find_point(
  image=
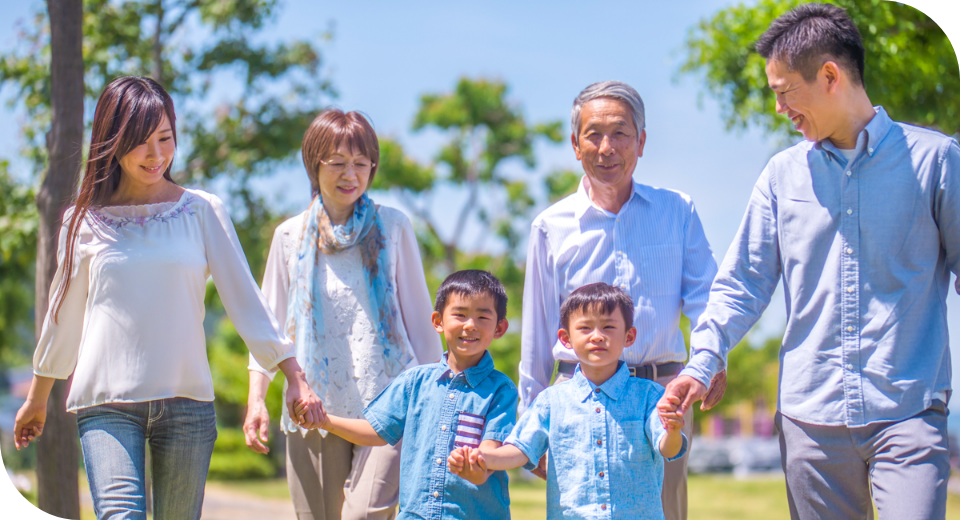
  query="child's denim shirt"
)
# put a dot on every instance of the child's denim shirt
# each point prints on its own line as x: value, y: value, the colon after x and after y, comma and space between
x: 430, y: 408
x: 605, y: 460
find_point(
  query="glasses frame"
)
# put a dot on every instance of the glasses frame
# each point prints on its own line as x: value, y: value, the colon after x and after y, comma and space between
x: 348, y: 165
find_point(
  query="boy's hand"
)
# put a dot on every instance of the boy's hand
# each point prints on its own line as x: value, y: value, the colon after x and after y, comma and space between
x: 303, y: 408
x: 456, y: 461
x: 474, y: 467
x: 671, y: 415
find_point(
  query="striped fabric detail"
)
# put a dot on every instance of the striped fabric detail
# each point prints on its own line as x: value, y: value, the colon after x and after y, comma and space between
x: 469, y: 430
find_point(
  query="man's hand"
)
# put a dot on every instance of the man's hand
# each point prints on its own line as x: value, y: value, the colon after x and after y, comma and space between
x: 687, y: 389
x: 29, y: 422
x: 541, y: 469
x: 256, y: 426
x: 718, y: 385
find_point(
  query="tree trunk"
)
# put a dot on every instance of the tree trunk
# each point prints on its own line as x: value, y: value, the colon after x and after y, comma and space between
x: 57, y: 453
x: 158, y: 46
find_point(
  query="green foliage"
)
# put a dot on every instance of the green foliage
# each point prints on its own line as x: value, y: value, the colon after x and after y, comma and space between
x: 483, y: 129
x: 753, y: 373
x: 18, y: 259
x: 561, y: 183
x: 232, y: 460
x: 910, y: 63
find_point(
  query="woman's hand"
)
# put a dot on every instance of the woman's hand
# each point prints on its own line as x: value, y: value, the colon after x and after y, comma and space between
x: 33, y: 414
x: 256, y: 427
x: 307, y: 409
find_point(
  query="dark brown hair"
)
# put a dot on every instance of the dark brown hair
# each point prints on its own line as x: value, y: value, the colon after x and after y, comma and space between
x: 473, y: 282
x: 129, y: 110
x: 331, y: 129
x: 807, y: 37
x: 597, y: 297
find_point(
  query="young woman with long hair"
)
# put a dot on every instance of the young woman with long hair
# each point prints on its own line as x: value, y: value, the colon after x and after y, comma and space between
x: 126, y: 315
x: 346, y: 278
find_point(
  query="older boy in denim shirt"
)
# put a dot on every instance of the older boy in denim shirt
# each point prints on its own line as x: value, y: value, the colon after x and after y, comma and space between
x: 459, y: 402
x: 607, y: 439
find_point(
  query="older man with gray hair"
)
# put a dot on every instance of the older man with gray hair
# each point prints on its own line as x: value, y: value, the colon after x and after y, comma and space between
x: 647, y: 241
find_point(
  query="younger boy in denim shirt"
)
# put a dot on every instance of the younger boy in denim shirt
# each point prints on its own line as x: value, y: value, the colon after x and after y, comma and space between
x: 459, y: 402
x: 606, y: 437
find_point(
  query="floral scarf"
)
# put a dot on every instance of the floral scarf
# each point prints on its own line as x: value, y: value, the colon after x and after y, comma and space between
x: 305, y: 323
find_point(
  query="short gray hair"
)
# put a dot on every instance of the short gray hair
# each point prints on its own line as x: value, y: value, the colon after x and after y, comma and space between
x: 608, y: 89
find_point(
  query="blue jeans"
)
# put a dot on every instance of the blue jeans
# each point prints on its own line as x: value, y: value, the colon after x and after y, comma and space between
x: 114, y: 437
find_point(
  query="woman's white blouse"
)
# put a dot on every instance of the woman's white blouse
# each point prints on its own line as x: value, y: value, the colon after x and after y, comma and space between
x: 131, y: 325
x: 353, y: 350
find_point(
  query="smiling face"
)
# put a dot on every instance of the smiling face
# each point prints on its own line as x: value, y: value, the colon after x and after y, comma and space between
x: 468, y: 324
x: 146, y: 163
x: 608, y: 144
x: 343, y: 178
x: 598, y: 339
x: 807, y: 104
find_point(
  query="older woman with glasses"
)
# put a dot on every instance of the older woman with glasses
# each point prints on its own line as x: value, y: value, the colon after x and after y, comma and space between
x: 346, y: 279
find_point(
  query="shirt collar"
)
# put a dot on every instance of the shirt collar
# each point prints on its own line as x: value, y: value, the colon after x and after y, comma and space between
x: 613, y: 387
x: 583, y: 203
x: 873, y: 133
x: 474, y: 375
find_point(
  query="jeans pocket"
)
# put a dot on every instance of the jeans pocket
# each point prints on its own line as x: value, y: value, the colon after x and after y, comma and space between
x: 632, y: 445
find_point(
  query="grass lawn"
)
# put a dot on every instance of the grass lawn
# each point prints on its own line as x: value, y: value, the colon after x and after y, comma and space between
x: 713, y: 497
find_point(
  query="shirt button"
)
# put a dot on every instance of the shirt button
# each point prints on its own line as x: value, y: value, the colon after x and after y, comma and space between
x: 601, y: 474
x: 436, y: 494
x: 850, y: 289
x: 596, y: 390
x: 452, y: 396
x: 849, y: 328
x: 849, y: 173
x: 603, y: 506
x: 439, y: 462
x: 849, y: 367
x: 599, y: 442
x: 443, y: 427
x: 849, y: 251
x: 624, y: 287
x: 869, y: 150
x: 598, y: 409
x: 849, y: 211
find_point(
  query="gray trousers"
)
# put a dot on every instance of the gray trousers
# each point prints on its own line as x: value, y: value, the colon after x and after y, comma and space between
x: 831, y: 470
x: 333, y: 479
x: 674, y: 492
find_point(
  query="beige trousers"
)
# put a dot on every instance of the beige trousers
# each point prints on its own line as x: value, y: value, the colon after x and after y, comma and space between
x: 674, y: 493
x: 332, y: 479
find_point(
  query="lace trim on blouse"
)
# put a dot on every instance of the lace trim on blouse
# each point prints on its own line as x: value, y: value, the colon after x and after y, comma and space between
x: 122, y: 216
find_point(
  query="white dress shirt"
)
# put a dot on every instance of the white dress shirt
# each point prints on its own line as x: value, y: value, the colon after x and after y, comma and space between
x: 131, y: 325
x: 354, y: 355
x: 654, y: 249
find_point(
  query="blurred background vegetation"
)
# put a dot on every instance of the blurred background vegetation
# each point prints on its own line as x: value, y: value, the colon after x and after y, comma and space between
x: 232, y: 134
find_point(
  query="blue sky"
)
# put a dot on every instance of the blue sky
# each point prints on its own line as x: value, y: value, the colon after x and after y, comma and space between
x: 384, y: 55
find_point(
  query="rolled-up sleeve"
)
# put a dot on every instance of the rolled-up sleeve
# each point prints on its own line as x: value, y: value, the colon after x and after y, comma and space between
x: 242, y: 299
x: 541, y: 306
x: 59, y: 344
x: 743, y: 288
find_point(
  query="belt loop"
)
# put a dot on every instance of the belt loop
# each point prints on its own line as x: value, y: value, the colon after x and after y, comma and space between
x: 654, y: 365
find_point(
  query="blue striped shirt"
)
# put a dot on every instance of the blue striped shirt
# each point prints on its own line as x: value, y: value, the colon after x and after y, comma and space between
x: 865, y: 248
x: 654, y: 249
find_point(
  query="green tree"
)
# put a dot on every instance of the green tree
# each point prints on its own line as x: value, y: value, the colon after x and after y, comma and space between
x: 910, y: 69
x: 483, y: 130
x: 18, y: 257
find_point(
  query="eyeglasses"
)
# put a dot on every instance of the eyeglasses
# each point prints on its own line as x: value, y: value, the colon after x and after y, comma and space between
x: 339, y: 166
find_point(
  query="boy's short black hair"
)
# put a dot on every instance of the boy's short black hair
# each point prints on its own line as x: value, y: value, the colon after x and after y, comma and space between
x: 597, y: 296
x: 807, y: 37
x: 473, y: 282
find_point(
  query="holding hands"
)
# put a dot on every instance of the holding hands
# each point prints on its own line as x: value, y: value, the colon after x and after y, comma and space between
x: 469, y: 464
x: 670, y: 413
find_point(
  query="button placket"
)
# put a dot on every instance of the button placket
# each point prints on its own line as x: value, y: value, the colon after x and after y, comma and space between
x: 849, y: 296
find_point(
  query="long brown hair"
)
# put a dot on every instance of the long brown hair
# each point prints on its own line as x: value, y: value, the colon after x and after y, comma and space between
x: 129, y: 110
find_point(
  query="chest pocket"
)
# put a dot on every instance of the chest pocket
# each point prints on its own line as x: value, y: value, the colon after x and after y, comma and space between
x: 469, y: 430
x: 632, y: 445
x: 660, y: 270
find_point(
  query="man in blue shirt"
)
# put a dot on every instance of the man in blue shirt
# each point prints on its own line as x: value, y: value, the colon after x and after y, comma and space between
x: 435, y: 408
x: 607, y: 439
x: 862, y: 219
x: 648, y: 241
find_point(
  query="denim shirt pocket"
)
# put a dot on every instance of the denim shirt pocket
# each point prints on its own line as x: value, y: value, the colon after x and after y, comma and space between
x: 632, y: 444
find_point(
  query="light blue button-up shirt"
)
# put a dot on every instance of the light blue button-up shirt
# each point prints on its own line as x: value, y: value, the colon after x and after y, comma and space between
x: 865, y: 248
x: 654, y: 249
x: 604, y: 441
x: 422, y: 407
